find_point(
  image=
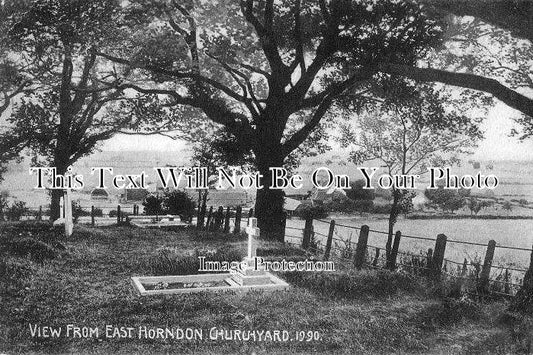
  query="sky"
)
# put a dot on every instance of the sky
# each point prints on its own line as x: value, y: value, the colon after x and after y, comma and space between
x: 497, y: 145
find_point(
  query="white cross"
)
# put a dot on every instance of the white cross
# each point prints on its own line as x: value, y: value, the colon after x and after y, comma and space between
x: 69, y: 225
x: 252, y: 232
x: 61, y: 208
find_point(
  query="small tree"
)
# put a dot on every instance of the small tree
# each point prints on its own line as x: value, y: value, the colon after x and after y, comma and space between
x: 507, y: 206
x: 475, y: 205
x: 3, y: 203
x: 153, y: 205
x: 16, y: 210
x: 448, y: 200
x: 415, y: 126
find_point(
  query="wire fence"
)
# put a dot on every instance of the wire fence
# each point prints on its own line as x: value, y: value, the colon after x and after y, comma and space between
x: 351, y: 244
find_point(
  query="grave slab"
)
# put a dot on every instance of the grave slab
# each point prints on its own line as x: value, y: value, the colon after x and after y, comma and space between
x: 241, y: 280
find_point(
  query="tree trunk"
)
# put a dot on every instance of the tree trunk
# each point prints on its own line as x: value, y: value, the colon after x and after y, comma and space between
x: 63, y: 144
x: 61, y: 165
x: 269, y: 202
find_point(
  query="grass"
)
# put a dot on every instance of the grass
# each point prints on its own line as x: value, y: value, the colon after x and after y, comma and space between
x: 88, y: 284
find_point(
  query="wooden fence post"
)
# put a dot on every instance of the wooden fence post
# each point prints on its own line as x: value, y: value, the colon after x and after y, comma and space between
x: 201, y: 212
x: 92, y: 216
x: 487, y: 264
x: 199, y: 222
x: 391, y: 263
x: 360, y: 250
x: 308, y: 229
x: 284, y: 227
x: 226, y: 220
x: 327, y: 252
x: 465, y: 267
x: 238, y: 216
x: 209, y: 217
x: 507, y: 288
x: 438, y: 254
x: 219, y: 217
x: 118, y: 214
x: 376, y: 258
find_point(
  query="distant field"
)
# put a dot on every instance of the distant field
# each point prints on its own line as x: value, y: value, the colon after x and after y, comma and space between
x: 516, y: 233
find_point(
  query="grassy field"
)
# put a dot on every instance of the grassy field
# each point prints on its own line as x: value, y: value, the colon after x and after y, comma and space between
x: 87, y: 285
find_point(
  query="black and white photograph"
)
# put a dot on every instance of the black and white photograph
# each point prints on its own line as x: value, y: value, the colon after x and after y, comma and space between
x: 266, y: 177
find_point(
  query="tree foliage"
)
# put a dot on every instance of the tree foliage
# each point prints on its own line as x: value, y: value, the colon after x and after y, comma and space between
x: 269, y: 72
x: 358, y: 192
x: 173, y: 202
x: 448, y: 200
x: 63, y: 113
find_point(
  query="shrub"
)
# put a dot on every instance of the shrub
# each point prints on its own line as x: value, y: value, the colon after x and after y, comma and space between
x: 446, y: 199
x: 153, y: 205
x: 507, y: 206
x: 357, y: 191
x: 345, y: 205
x: 314, y: 212
x: 97, y: 212
x: 3, y: 203
x: 177, y: 202
x: 16, y: 210
x: 382, y: 209
x: 77, y: 211
x: 363, y: 205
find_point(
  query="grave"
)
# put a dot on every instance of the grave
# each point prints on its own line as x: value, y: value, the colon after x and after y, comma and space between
x: 156, y: 221
x: 241, y: 280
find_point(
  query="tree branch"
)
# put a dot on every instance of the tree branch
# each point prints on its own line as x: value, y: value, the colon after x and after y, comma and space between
x: 299, y: 58
x: 180, y: 75
x: 266, y: 37
x: 8, y: 97
x: 301, y: 135
x: 470, y: 81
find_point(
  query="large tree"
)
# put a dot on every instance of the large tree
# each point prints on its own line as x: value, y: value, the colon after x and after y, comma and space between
x: 59, y: 118
x: 269, y: 71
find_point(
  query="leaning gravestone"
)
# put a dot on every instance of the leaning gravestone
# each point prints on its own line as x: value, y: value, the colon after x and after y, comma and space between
x: 65, y: 213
